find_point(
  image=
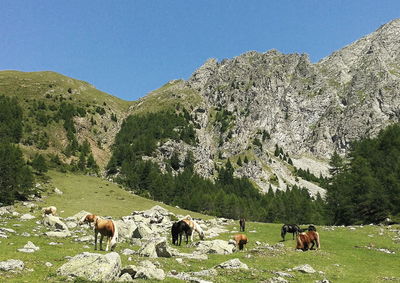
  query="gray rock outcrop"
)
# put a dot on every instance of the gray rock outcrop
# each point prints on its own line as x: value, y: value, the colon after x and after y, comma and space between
x: 92, y: 266
x: 12, y: 265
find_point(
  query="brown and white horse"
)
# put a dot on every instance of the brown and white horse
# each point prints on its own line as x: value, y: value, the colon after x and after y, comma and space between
x: 240, y: 240
x: 49, y: 210
x: 106, y: 228
x: 194, y: 226
x: 304, y: 240
x: 88, y: 218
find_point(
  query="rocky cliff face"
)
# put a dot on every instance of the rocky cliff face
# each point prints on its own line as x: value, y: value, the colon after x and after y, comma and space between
x: 256, y: 101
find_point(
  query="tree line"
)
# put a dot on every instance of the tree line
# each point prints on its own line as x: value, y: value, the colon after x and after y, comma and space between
x: 228, y: 196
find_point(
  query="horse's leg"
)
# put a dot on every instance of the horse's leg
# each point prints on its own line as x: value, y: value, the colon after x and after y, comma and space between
x: 101, y: 241
x: 108, y: 243
x: 95, y: 239
x: 180, y: 238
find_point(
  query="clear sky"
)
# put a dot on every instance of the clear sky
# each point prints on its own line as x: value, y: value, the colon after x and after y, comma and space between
x: 129, y: 48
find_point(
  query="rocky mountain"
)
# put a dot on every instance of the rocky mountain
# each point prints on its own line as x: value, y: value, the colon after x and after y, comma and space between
x: 276, y: 111
x: 256, y: 102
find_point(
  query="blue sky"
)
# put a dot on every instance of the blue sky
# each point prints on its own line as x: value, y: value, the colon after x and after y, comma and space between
x: 129, y: 48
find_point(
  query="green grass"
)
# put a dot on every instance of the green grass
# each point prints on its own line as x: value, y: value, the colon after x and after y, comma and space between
x: 342, y: 258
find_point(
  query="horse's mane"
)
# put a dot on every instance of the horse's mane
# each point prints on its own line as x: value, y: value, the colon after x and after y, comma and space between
x: 188, y: 217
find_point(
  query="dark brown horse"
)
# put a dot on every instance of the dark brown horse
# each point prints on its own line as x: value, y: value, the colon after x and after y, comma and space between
x: 307, y: 240
x: 242, y: 224
x: 177, y: 229
x: 289, y: 228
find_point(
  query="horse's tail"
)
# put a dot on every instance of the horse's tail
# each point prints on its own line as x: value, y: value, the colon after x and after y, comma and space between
x: 318, y: 242
x: 114, y: 238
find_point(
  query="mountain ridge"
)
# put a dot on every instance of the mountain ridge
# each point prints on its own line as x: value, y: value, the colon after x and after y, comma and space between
x: 249, y: 105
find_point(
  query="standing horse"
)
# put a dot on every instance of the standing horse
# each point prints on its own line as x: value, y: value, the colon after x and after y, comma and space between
x: 177, y: 229
x: 242, y: 224
x: 304, y: 240
x: 194, y: 226
x: 289, y: 228
x: 106, y: 228
x: 240, y: 240
x: 88, y: 218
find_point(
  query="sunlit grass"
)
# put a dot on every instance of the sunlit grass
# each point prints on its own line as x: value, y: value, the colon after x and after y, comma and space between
x: 344, y: 256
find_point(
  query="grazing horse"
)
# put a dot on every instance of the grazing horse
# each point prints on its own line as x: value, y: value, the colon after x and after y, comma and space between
x: 242, y: 224
x: 289, y: 228
x: 49, y: 210
x: 178, y: 228
x: 194, y: 226
x: 106, y: 228
x: 304, y: 240
x: 88, y: 218
x: 240, y: 240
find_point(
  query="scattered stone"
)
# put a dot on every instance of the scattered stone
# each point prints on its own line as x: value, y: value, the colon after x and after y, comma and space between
x: 54, y: 222
x: 283, y: 274
x: 147, y: 270
x: 89, y: 238
x: 179, y: 260
x: 323, y: 281
x: 29, y: 248
x: 48, y: 264
x: 8, y: 230
x: 275, y: 280
x: 55, y: 244
x: 215, y: 247
x: 71, y: 225
x: 58, y: 234
x: 142, y: 231
x: 306, y: 268
x: 27, y: 216
x: 156, y: 247
x: 128, y: 252
x: 57, y: 191
x: 11, y: 265
x: 92, y: 266
x: 25, y: 234
x: 125, y: 278
x: 232, y: 264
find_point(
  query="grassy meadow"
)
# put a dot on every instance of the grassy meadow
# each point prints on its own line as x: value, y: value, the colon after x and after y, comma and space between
x: 344, y: 254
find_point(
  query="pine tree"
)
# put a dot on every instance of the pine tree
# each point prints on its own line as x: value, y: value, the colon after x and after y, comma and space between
x: 336, y: 163
x: 39, y: 164
x: 16, y: 180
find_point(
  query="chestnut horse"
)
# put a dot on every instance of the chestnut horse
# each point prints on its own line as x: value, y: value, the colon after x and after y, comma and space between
x: 177, y: 229
x: 242, y: 224
x: 194, y: 226
x: 106, y: 228
x: 88, y: 218
x: 240, y: 240
x: 49, y: 210
x: 304, y: 240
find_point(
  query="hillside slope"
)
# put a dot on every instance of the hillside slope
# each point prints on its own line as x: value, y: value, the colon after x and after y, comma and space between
x: 348, y: 254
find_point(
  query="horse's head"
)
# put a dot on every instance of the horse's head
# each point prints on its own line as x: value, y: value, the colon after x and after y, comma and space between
x: 201, y: 235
